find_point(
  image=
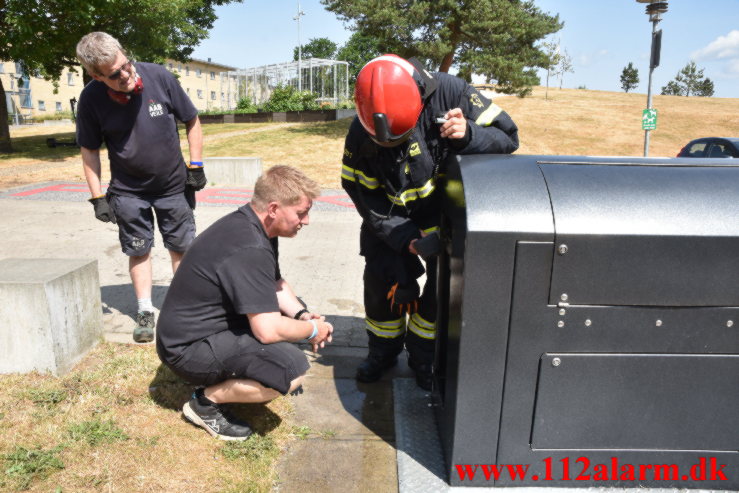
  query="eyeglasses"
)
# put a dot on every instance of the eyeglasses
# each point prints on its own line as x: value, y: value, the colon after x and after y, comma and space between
x: 126, y: 67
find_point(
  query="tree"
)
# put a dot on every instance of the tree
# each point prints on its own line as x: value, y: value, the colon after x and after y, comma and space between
x: 493, y: 38
x: 316, y: 48
x: 565, y: 66
x: 42, y: 35
x: 358, y: 50
x: 551, y: 51
x: 689, y: 80
x: 629, y: 77
x: 704, y: 88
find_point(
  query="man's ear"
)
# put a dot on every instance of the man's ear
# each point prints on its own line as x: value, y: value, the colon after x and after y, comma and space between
x: 272, y: 209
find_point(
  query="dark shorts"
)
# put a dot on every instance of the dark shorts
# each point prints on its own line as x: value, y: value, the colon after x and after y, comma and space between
x: 135, y: 218
x: 229, y: 355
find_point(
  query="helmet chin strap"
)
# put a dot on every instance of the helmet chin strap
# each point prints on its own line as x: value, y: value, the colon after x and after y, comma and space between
x: 124, y: 97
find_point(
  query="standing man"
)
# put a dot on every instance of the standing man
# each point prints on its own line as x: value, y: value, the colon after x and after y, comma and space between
x: 133, y: 109
x: 229, y: 317
x: 408, y: 122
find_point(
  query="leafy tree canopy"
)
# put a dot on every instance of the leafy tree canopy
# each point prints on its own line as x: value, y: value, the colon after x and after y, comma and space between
x: 689, y: 81
x: 493, y: 38
x: 316, y: 48
x: 358, y: 50
x: 629, y: 77
x: 42, y: 34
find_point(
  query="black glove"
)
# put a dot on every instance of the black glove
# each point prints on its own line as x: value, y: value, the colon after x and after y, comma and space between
x: 196, y: 178
x: 429, y: 245
x: 102, y: 210
x: 404, y: 297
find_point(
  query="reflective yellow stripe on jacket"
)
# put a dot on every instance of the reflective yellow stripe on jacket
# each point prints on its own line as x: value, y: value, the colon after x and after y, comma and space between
x: 355, y: 175
x: 486, y: 117
x: 414, y: 193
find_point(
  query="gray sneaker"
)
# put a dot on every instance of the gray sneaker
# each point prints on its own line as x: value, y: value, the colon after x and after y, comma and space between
x: 144, y: 331
x: 216, y: 420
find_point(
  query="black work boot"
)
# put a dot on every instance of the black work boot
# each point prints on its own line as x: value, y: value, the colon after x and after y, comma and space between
x: 373, y: 366
x: 424, y: 374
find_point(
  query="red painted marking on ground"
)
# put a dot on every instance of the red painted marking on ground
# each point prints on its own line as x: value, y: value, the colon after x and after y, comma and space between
x: 62, y: 187
x: 211, y: 195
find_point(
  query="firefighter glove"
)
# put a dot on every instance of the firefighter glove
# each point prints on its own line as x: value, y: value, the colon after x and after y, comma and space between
x: 429, y: 245
x: 102, y: 210
x: 196, y: 178
x: 403, y: 298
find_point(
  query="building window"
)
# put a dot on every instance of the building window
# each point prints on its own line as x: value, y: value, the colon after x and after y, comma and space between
x: 187, y: 70
x: 212, y: 76
x: 198, y: 72
x: 41, y: 105
x: 188, y: 91
x: 70, y: 79
x: 2, y: 68
x: 179, y: 67
x: 212, y: 95
x: 200, y: 94
x: 59, y: 106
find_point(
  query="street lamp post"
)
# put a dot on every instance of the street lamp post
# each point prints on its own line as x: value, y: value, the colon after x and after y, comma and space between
x: 300, y: 54
x: 654, y: 10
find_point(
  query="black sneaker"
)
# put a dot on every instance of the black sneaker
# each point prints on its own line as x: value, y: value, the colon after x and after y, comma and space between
x: 371, y: 369
x: 144, y: 331
x: 216, y: 420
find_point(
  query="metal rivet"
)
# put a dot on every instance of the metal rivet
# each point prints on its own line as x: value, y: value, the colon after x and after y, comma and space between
x: 562, y: 249
x: 729, y: 323
x: 556, y: 362
x: 588, y: 323
x: 562, y: 311
x: 658, y: 323
x: 561, y: 323
x: 564, y: 297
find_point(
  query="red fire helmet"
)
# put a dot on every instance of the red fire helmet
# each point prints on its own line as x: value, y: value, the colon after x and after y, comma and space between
x: 388, y: 99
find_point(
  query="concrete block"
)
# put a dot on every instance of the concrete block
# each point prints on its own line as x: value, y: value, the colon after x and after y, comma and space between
x: 50, y: 313
x: 242, y: 171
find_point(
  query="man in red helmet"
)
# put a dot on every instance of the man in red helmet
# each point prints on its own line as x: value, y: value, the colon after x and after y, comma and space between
x: 408, y: 122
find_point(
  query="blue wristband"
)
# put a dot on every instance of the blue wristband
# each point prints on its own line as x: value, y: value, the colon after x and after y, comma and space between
x: 199, y: 164
x: 315, y: 329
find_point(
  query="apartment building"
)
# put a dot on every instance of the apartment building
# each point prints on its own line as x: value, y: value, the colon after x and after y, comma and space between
x: 27, y: 96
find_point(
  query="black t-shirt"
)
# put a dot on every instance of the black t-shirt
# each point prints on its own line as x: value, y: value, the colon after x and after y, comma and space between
x: 141, y: 136
x: 231, y: 269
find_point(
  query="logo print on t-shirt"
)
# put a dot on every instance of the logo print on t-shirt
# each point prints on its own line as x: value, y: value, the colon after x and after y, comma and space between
x: 155, y: 109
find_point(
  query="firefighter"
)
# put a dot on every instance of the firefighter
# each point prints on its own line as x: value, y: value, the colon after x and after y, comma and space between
x: 408, y: 121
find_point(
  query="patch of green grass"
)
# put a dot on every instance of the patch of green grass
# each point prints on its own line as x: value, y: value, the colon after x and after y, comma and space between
x: 96, y: 432
x: 328, y: 434
x: 302, y: 432
x: 22, y: 465
x: 47, y: 397
x: 34, y: 147
x: 255, y: 448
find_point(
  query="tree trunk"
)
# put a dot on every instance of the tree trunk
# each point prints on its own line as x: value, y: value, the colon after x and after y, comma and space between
x: 446, y: 62
x: 4, y: 128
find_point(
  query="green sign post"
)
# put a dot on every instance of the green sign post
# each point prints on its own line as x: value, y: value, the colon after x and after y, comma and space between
x: 649, y: 119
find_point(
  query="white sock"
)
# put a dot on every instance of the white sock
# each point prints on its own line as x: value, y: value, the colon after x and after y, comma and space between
x: 145, y: 305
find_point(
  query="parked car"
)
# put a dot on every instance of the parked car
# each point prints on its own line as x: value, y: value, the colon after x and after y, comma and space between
x: 711, y: 147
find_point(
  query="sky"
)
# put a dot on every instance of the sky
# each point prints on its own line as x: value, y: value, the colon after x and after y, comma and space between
x: 600, y: 36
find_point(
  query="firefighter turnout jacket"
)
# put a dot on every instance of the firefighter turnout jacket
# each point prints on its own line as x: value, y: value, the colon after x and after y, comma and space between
x: 395, y: 188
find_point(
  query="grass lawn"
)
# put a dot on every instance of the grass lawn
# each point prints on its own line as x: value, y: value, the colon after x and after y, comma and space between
x: 114, y: 424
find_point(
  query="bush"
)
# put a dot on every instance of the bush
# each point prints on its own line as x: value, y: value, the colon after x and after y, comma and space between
x: 246, y: 105
x: 287, y: 98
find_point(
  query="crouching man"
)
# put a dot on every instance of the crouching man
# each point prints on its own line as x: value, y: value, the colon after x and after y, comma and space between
x: 229, y: 318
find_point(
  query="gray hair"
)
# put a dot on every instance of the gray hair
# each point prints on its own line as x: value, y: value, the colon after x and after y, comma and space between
x: 96, y: 49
